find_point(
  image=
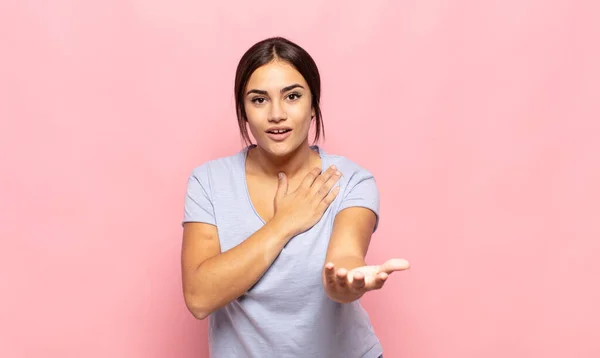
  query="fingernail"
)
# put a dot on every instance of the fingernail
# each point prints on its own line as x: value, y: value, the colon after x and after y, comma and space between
x: 280, y: 175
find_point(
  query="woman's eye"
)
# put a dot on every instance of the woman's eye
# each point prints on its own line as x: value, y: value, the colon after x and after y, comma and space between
x: 258, y: 100
x: 294, y: 96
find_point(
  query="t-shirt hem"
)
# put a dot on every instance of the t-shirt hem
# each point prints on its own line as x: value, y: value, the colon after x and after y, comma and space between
x: 210, y: 222
x: 374, y: 352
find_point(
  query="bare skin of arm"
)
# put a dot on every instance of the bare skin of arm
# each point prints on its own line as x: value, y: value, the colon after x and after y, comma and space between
x: 213, y: 279
x: 346, y: 276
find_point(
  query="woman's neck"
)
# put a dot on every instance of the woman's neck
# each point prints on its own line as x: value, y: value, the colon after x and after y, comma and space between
x: 297, y: 162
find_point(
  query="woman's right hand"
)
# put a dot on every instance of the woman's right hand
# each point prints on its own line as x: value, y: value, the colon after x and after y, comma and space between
x: 303, y: 208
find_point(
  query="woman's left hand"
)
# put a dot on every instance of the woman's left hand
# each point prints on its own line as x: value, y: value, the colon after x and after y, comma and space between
x: 356, y: 282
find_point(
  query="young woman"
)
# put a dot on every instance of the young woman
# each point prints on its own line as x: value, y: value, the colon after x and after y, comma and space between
x: 275, y: 236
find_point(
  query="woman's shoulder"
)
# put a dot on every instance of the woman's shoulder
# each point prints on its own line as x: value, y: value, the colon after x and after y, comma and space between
x: 218, y: 167
x: 347, y: 166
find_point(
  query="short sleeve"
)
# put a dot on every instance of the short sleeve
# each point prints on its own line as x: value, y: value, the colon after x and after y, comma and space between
x: 362, y: 191
x: 198, y: 206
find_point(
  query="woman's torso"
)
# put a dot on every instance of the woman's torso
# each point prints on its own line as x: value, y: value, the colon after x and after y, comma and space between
x: 286, y: 313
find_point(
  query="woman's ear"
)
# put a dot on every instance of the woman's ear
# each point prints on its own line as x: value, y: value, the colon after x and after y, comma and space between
x: 313, y: 113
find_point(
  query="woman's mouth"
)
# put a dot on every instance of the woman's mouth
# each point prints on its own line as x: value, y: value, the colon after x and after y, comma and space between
x: 279, y: 135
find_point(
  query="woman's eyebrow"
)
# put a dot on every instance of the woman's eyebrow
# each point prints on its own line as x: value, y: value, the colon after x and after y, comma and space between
x: 291, y: 87
x: 284, y: 89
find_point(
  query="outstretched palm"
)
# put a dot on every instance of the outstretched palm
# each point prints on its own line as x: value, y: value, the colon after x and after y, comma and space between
x: 372, y: 274
x: 364, y: 278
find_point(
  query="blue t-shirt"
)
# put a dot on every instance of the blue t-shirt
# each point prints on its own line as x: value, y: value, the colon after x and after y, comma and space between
x: 287, y: 312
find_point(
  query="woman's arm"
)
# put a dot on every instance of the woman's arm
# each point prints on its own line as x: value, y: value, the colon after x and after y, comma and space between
x: 212, y: 279
x: 346, y: 277
x: 348, y: 247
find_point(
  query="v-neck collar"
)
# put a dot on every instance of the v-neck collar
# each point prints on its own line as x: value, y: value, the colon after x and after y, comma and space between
x: 244, y: 155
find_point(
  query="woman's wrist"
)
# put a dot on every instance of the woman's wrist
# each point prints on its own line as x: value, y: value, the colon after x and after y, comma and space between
x: 343, y: 297
x: 282, y: 228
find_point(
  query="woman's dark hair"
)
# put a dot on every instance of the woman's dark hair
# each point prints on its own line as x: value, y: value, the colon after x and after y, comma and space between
x: 269, y: 50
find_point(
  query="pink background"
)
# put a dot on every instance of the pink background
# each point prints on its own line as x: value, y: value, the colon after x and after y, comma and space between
x: 480, y: 120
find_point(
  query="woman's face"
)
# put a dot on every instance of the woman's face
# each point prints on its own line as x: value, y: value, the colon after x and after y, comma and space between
x: 278, y: 107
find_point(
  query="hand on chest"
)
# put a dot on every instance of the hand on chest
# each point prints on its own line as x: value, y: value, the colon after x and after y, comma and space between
x: 262, y: 194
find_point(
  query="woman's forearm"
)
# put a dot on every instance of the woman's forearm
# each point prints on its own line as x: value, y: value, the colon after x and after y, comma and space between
x: 223, y: 278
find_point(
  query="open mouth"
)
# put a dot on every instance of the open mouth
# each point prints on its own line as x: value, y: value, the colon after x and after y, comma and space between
x: 278, y: 135
x: 279, y: 131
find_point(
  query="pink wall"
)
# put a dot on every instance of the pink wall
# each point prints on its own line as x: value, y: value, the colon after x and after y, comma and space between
x: 480, y: 120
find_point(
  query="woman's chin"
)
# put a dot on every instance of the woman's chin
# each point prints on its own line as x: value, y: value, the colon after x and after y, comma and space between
x: 279, y: 149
